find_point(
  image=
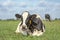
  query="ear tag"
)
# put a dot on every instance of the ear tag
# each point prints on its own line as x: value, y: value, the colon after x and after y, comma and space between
x: 30, y: 21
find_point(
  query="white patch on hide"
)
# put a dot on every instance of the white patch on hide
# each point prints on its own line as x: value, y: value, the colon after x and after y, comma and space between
x: 17, y: 30
x: 37, y: 33
x: 38, y: 16
x: 24, y: 15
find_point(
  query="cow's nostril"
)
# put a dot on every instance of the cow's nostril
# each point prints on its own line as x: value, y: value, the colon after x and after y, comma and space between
x: 24, y: 27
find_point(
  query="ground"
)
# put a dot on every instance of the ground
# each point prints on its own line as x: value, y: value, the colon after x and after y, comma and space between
x: 7, y: 31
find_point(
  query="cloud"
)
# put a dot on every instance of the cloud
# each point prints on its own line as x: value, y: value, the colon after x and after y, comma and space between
x: 10, y: 3
x: 22, y: 3
x: 7, y: 2
x: 39, y: 6
x: 43, y: 7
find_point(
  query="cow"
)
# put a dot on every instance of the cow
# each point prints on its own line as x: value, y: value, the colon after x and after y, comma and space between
x: 30, y: 24
x: 47, y: 17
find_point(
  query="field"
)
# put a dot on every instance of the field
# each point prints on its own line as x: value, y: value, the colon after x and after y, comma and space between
x: 7, y: 29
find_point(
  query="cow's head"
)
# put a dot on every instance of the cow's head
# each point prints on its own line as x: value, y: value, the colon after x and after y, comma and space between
x: 23, y: 18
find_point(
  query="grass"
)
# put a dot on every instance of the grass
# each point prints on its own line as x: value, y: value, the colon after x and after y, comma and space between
x: 7, y: 29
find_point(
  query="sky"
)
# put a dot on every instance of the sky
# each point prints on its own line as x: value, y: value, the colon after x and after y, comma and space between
x: 8, y: 8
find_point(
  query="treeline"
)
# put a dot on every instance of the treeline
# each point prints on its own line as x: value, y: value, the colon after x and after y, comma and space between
x: 57, y: 18
x: 7, y: 19
x: 18, y: 19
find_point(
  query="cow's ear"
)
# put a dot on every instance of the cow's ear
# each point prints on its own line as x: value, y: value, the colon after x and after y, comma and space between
x: 33, y: 16
x: 18, y: 16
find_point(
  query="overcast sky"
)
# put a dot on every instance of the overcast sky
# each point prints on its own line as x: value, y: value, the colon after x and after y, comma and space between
x: 8, y: 8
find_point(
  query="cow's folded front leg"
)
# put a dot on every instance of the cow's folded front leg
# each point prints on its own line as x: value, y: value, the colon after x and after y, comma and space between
x: 18, y: 28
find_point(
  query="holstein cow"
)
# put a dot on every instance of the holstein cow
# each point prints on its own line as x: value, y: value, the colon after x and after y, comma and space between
x: 47, y: 17
x: 30, y: 24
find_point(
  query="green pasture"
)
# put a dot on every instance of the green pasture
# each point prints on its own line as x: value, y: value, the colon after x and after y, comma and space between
x: 7, y: 31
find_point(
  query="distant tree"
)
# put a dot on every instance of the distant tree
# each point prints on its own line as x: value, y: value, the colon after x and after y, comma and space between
x: 10, y: 19
x: 57, y: 18
x: 0, y: 19
x: 47, y: 17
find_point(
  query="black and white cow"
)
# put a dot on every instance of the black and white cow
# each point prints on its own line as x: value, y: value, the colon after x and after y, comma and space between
x: 47, y: 17
x: 30, y: 24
